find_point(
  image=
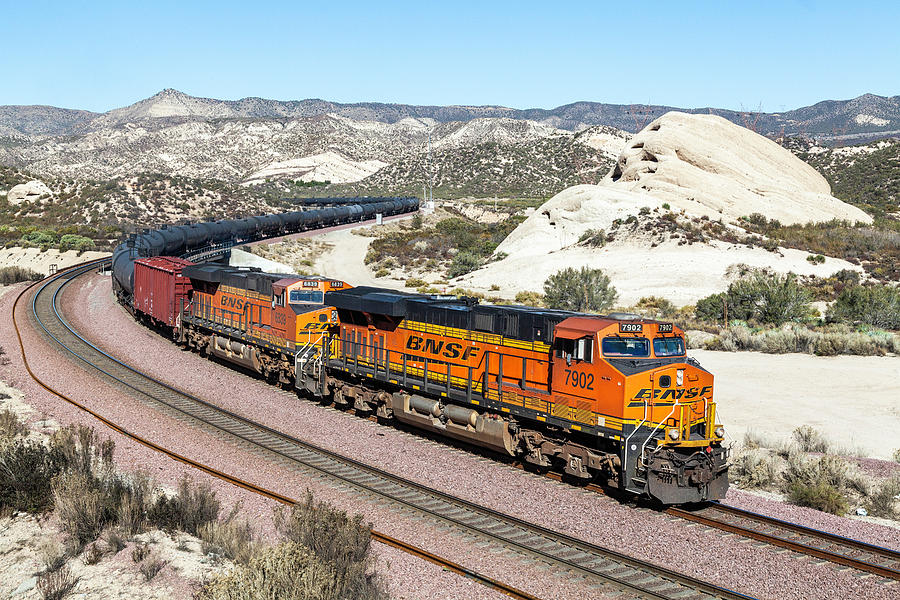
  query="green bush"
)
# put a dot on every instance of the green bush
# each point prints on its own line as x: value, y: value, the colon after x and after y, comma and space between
x: 415, y: 282
x: 656, y: 307
x: 580, y: 290
x: 883, y: 501
x: 818, y: 495
x: 595, y: 238
x: 876, y: 305
x: 10, y: 426
x: 816, y: 259
x: 463, y: 262
x: 75, y: 242
x: 758, y: 296
x: 27, y: 469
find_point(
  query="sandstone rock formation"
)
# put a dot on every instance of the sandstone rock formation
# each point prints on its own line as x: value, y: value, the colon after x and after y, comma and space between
x: 710, y: 166
x: 30, y: 191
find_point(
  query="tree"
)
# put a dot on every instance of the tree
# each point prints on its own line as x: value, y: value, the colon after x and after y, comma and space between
x: 580, y: 290
x: 878, y: 306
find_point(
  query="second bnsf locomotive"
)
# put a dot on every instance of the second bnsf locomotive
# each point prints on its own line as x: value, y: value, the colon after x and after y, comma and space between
x: 609, y: 398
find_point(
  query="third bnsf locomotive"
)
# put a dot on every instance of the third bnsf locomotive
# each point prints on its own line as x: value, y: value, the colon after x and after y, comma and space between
x: 609, y: 398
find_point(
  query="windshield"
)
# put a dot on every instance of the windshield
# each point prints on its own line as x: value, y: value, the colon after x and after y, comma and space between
x: 307, y: 296
x: 616, y: 346
x: 671, y: 346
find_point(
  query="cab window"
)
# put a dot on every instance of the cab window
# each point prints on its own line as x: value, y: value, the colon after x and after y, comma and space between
x: 580, y: 349
x: 619, y: 346
x: 307, y: 296
x: 668, y: 346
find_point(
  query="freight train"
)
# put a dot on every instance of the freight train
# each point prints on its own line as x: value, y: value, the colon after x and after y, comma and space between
x: 612, y: 399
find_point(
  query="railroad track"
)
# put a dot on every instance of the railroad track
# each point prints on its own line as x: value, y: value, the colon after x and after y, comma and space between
x: 601, y: 567
x: 805, y: 540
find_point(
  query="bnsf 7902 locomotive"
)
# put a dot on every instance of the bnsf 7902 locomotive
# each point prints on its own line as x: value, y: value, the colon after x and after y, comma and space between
x: 609, y: 398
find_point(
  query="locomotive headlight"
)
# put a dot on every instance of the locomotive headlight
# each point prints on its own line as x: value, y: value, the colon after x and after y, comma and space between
x: 720, y: 431
x: 673, y: 434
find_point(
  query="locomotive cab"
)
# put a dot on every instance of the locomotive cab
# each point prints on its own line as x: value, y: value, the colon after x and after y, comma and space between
x: 636, y: 372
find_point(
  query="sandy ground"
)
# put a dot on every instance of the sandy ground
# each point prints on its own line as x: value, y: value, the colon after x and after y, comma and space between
x: 853, y: 400
x: 34, y: 259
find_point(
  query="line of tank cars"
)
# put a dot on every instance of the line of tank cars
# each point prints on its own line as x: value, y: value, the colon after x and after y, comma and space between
x: 612, y: 399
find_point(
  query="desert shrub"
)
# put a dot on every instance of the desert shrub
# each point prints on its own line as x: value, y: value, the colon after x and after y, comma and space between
x: 382, y: 273
x: 115, y: 541
x: 883, y: 502
x: 416, y: 221
x: 337, y: 540
x: 810, y: 439
x: 76, y: 242
x: 798, y: 338
x: 755, y: 468
x: 27, y: 469
x: 82, y: 450
x: 595, y: 238
x: 896, y: 455
x: 817, y: 495
x: 233, y: 539
x: 656, y: 307
x: 816, y: 259
x: 190, y: 508
x: 530, y: 298
x: 288, y: 571
x: 151, y: 566
x: 140, y: 552
x: 10, y: 275
x: 10, y: 425
x: 56, y: 585
x: 462, y: 263
x: 82, y: 509
x: 758, y: 296
x: 52, y: 555
x: 414, y: 282
x: 878, y: 306
x: 93, y: 554
x: 135, y: 502
x: 580, y: 290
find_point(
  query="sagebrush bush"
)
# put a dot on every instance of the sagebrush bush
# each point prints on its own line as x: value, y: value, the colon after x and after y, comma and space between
x: 462, y: 263
x: 798, y: 338
x: 530, y: 298
x: 82, y: 509
x: 581, y: 290
x: 27, y: 469
x: 810, y: 439
x: 190, y: 508
x: 754, y: 468
x: 10, y: 425
x: 232, y: 538
x: 290, y: 571
x: 883, y: 501
x: 896, y: 455
x: 818, y: 495
x: 10, y: 275
x: 151, y: 566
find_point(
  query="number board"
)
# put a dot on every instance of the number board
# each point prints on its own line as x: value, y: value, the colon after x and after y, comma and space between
x: 337, y: 284
x: 631, y: 327
x: 665, y: 328
x: 308, y: 283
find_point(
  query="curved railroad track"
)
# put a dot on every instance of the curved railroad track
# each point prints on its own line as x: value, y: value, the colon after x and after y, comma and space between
x: 602, y: 567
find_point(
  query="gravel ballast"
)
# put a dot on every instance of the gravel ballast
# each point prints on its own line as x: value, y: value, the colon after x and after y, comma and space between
x: 708, y: 554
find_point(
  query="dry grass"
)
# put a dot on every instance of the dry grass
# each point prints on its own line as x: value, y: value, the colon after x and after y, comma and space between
x: 831, y: 341
x: 51, y: 554
x: 10, y: 426
x: 140, y: 551
x: 81, y: 507
x: 92, y: 554
x: 810, y: 440
x: 884, y: 501
x: 57, y: 584
x: 229, y: 538
x: 114, y: 540
x: 151, y: 566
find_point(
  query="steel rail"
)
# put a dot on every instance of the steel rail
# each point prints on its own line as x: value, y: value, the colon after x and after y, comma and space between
x: 383, y: 538
x: 799, y: 538
x: 573, y: 554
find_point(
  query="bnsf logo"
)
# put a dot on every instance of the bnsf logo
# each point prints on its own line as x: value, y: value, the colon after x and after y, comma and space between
x: 232, y: 302
x: 439, y: 348
x: 658, y: 394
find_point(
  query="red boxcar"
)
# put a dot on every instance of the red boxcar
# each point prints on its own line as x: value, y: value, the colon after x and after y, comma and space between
x: 160, y: 290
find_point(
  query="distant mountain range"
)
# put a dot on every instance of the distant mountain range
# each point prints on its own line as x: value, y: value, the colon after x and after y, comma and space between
x: 866, y: 117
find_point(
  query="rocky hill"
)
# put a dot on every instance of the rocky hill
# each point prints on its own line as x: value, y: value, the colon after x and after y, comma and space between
x: 867, y: 115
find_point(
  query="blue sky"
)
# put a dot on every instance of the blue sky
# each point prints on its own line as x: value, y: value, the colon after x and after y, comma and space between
x: 780, y: 55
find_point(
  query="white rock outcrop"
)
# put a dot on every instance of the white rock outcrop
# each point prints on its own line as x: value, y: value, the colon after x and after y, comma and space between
x: 709, y: 166
x: 30, y: 191
x: 326, y: 166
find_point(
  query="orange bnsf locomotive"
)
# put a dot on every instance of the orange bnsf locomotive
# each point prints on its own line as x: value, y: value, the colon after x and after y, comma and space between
x: 612, y: 399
